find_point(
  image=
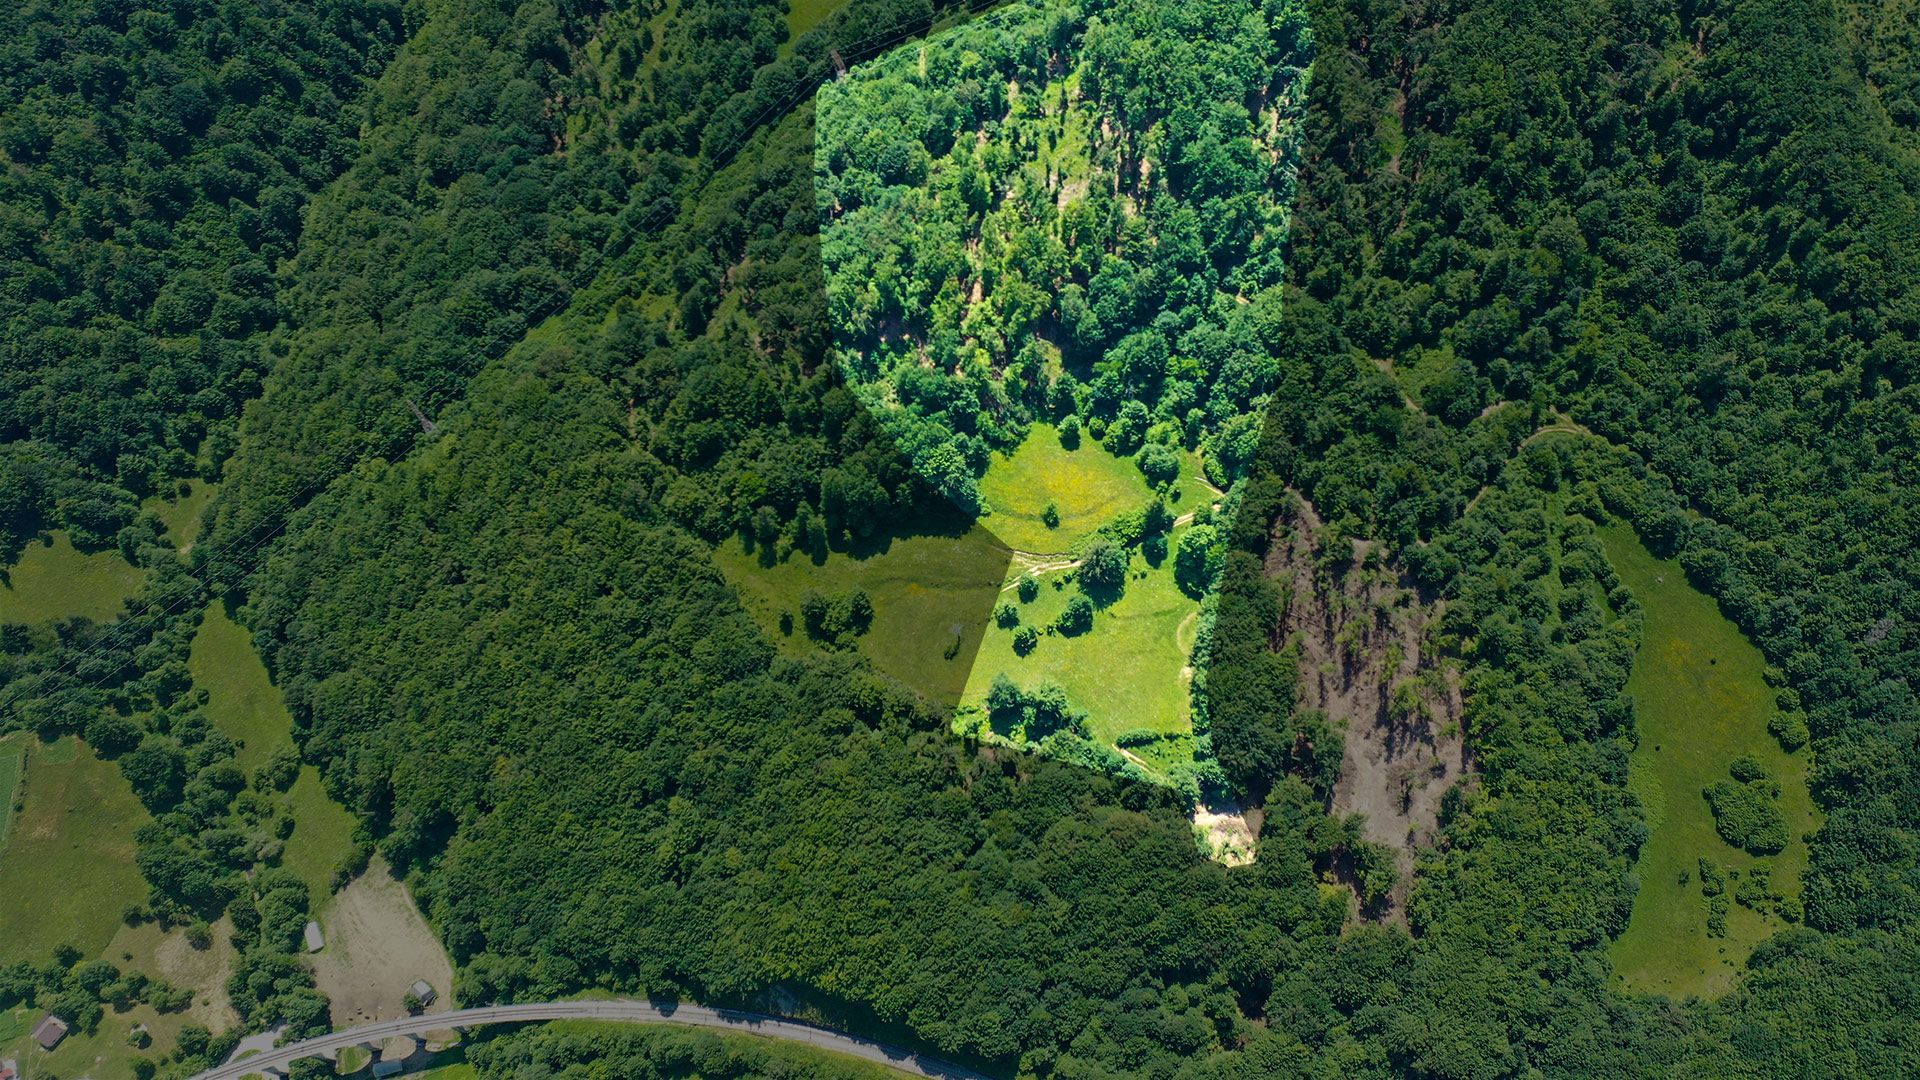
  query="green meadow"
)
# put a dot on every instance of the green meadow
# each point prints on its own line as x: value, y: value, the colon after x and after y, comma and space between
x: 1128, y: 673
x: 13, y: 754
x: 1087, y: 485
x: 58, y: 581
x: 182, y: 513
x: 931, y: 593
x: 804, y: 15
x: 245, y: 706
x: 66, y: 870
x: 1701, y: 700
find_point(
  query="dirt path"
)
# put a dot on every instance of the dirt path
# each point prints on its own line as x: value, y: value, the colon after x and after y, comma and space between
x: 1365, y: 663
x: 1562, y: 425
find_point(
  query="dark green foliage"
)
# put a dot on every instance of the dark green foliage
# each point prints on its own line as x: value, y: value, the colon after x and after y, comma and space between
x: 1747, y: 815
x: 1103, y: 570
x: 1197, y: 558
x: 1076, y: 618
x: 1689, y: 228
x: 659, y: 1053
x: 1025, y: 640
x: 157, y: 167
x: 972, y: 293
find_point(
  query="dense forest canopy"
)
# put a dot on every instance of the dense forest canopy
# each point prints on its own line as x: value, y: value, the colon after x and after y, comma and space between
x: 1059, y: 212
x: 581, y: 240
x: 158, y: 163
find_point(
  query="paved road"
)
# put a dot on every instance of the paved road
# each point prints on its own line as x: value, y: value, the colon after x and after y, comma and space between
x: 643, y: 1012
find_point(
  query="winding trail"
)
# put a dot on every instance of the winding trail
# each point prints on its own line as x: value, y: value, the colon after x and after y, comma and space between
x: 275, y: 1061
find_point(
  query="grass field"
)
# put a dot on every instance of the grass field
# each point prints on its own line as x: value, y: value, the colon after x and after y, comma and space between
x: 1087, y: 485
x: 1701, y: 701
x: 13, y: 751
x: 182, y: 514
x: 377, y: 945
x: 67, y: 868
x: 322, y: 833
x: 1128, y: 672
x: 804, y: 15
x: 56, y: 581
x: 241, y: 698
x: 245, y: 705
x: 931, y: 595
x: 105, y: 1054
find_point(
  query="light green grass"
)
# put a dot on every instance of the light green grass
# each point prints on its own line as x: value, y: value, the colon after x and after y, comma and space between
x: 459, y: 1070
x: 1701, y: 701
x: 245, y: 706
x: 181, y: 514
x: 241, y: 699
x: 1089, y: 486
x: 931, y: 596
x: 322, y: 834
x: 67, y: 869
x: 13, y: 749
x: 804, y: 15
x: 56, y: 581
x: 1127, y: 672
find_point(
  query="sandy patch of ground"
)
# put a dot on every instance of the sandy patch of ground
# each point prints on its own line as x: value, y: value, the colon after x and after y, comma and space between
x: 377, y: 945
x: 1227, y: 833
x: 1365, y: 662
x: 204, y: 971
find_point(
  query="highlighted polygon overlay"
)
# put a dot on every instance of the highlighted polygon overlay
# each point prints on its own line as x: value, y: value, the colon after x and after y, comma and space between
x: 1048, y: 237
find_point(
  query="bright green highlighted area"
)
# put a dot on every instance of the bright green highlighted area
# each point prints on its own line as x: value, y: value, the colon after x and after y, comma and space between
x: 1704, y: 708
x: 181, y: 513
x: 58, y: 581
x: 1086, y: 486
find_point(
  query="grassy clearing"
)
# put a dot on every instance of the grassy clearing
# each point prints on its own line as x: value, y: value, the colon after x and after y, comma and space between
x: 931, y: 597
x: 67, y: 869
x: 182, y: 513
x: 1128, y: 672
x: 13, y: 753
x: 1087, y: 485
x: 1701, y: 701
x: 245, y: 705
x: 241, y: 698
x: 322, y: 834
x: 57, y: 581
x: 804, y: 15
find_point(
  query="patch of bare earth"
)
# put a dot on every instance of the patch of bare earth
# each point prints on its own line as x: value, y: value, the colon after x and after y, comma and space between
x: 1365, y: 662
x: 1228, y: 833
x: 377, y: 944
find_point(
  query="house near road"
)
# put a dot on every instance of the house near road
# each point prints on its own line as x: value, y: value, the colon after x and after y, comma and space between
x: 423, y: 992
x: 49, y: 1032
x: 9, y: 1068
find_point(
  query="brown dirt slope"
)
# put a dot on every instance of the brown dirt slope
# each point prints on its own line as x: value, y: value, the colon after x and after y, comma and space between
x: 1366, y: 662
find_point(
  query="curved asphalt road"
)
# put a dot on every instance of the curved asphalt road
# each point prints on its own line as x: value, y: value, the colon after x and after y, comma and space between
x: 644, y: 1012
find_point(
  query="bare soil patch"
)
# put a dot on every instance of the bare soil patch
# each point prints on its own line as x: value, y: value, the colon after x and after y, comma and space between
x: 1365, y: 661
x: 377, y: 945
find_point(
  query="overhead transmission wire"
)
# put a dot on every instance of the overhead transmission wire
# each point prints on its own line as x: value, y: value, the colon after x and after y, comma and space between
x: 126, y: 627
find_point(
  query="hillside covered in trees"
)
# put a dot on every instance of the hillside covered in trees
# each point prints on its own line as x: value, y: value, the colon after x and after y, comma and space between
x: 540, y: 317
